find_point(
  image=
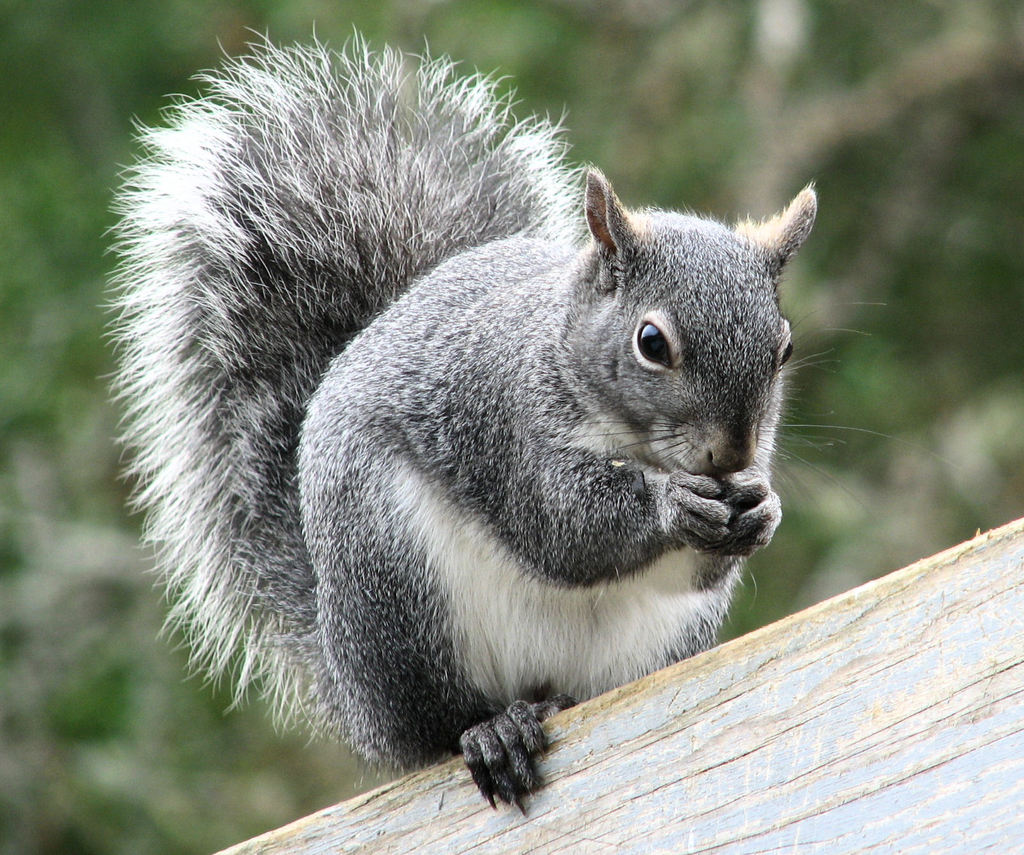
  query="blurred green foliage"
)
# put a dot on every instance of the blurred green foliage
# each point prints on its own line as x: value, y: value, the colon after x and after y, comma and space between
x: 905, y: 432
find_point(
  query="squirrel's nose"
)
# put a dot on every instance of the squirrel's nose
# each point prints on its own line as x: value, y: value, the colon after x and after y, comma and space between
x: 725, y: 457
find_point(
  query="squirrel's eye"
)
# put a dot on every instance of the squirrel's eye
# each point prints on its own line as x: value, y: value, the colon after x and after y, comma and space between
x: 786, y: 353
x: 652, y: 344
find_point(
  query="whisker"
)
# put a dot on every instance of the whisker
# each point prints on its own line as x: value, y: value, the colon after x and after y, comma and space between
x: 817, y: 441
x: 813, y: 360
x: 864, y: 333
x: 842, y: 427
x: 906, y: 443
x: 823, y: 473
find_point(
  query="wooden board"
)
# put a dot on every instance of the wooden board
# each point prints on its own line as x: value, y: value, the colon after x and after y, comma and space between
x: 889, y: 718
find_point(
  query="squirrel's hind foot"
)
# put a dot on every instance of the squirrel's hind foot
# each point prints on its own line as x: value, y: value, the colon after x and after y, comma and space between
x: 500, y: 752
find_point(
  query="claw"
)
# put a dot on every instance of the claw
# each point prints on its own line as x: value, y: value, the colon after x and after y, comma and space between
x: 500, y: 752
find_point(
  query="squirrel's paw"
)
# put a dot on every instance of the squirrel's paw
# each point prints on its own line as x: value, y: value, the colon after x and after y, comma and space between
x: 500, y: 752
x: 756, y: 513
x: 698, y: 514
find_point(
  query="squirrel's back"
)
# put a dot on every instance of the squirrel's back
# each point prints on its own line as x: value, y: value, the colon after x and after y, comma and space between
x: 266, y: 225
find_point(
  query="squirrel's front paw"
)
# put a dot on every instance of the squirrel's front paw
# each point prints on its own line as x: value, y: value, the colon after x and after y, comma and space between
x: 735, y: 517
x: 756, y: 513
x: 500, y: 752
x: 698, y: 513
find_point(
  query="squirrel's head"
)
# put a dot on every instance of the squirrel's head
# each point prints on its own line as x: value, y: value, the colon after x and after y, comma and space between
x: 679, y: 332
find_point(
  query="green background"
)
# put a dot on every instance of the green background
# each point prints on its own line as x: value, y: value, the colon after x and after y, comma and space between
x: 905, y: 434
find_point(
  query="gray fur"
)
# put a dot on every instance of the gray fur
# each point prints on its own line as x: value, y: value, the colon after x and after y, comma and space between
x: 397, y: 442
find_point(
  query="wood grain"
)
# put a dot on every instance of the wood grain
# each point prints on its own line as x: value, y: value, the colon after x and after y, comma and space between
x: 889, y: 718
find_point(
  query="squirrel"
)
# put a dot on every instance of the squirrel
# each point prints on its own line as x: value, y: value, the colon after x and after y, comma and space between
x: 431, y: 444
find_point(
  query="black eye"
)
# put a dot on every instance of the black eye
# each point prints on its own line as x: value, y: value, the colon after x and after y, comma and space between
x: 786, y: 353
x: 652, y: 344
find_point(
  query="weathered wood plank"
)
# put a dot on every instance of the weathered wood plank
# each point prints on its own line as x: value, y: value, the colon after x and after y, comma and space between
x: 890, y: 717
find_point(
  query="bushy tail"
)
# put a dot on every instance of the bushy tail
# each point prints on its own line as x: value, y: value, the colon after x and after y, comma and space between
x: 263, y: 228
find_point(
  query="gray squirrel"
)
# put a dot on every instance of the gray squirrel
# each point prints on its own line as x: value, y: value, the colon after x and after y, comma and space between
x: 420, y: 455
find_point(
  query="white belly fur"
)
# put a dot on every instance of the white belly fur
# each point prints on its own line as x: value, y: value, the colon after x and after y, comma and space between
x: 518, y: 632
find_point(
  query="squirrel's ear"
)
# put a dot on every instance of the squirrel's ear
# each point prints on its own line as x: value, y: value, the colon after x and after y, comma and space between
x: 783, y: 234
x: 609, y: 222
